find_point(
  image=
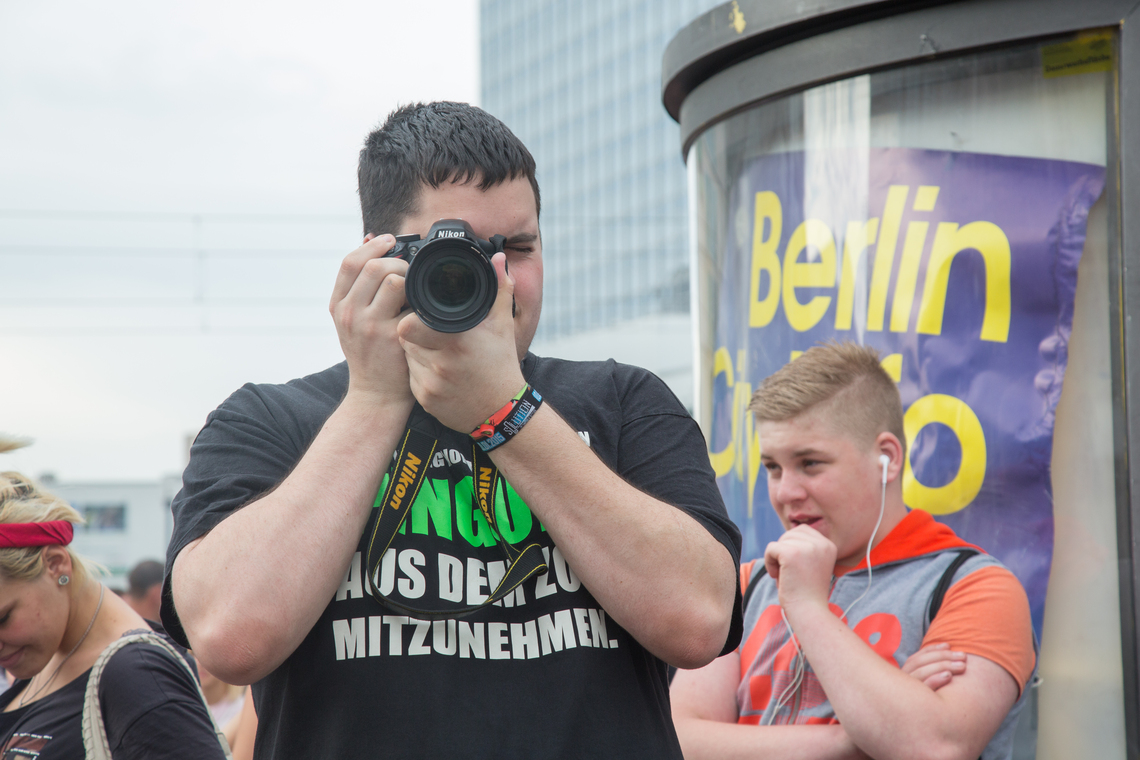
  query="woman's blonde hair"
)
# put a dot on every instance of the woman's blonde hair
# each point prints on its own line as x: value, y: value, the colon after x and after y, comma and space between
x: 23, y: 501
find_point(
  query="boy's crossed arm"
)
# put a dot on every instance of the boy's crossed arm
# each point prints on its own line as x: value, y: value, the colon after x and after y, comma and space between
x: 938, y: 706
x: 705, y: 714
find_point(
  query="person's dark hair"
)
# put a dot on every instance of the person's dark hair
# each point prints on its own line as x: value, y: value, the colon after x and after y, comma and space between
x: 145, y: 574
x: 430, y: 144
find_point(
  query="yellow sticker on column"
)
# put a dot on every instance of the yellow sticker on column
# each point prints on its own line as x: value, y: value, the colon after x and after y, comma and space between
x: 1083, y: 55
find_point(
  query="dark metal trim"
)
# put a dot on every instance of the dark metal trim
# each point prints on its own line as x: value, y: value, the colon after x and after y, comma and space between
x: 1124, y: 230
x: 711, y: 42
x: 913, y: 35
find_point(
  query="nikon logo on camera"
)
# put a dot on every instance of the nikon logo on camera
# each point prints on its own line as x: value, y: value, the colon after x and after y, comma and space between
x: 406, y: 480
x: 449, y: 233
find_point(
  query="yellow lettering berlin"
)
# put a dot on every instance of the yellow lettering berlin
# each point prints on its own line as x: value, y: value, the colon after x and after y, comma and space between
x: 799, y: 280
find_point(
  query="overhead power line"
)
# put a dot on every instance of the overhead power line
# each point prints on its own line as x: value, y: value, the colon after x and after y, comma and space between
x: 166, y: 251
x: 185, y: 302
x: 200, y: 330
x: 174, y: 216
x: 247, y: 218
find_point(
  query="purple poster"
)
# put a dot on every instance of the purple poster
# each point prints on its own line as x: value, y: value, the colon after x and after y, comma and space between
x: 961, y: 270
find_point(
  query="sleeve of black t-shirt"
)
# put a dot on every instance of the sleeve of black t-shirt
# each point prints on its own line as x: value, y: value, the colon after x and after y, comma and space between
x: 248, y: 446
x: 237, y: 457
x: 662, y: 451
x: 152, y: 709
x: 659, y: 448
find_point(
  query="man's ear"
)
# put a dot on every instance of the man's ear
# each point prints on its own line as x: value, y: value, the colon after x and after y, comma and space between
x: 368, y: 237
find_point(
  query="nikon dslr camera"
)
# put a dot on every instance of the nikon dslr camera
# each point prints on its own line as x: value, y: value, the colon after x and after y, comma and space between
x: 450, y: 282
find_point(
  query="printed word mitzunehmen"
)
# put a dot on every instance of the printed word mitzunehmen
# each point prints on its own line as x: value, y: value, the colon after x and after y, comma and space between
x: 548, y: 634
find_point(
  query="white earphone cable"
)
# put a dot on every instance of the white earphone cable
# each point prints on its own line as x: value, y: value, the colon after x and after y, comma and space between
x: 799, y: 666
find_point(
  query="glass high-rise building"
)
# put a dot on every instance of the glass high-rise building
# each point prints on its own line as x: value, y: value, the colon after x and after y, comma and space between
x: 580, y: 84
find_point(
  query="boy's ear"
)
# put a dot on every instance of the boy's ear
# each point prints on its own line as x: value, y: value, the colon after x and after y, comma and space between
x: 888, y: 444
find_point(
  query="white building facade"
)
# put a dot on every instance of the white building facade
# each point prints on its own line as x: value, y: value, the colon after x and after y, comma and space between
x: 126, y: 521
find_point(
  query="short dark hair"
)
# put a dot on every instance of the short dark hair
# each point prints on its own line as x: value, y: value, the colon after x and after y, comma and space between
x: 144, y: 576
x: 430, y: 144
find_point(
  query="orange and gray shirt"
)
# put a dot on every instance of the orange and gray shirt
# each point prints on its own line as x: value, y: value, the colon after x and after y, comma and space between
x: 983, y: 612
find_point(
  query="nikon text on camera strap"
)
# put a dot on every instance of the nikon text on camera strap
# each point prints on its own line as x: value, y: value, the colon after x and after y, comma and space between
x: 416, y: 450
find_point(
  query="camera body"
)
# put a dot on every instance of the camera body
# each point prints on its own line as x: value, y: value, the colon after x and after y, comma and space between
x: 450, y: 283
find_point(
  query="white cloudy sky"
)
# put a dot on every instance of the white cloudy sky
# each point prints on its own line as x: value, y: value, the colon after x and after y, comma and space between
x: 177, y: 187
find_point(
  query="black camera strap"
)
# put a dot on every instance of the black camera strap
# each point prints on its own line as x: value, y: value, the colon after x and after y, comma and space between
x: 421, y: 437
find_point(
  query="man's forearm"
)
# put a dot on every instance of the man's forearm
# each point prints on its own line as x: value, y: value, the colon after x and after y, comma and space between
x: 249, y: 591
x: 654, y: 569
x: 712, y: 740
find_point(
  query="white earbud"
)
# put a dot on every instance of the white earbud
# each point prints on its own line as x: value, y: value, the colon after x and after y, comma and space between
x: 885, y: 461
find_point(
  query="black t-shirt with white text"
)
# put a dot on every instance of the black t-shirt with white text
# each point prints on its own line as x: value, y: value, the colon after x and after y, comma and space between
x: 543, y: 673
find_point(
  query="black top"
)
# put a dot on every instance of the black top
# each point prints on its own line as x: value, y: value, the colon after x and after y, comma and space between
x: 546, y: 673
x: 151, y: 709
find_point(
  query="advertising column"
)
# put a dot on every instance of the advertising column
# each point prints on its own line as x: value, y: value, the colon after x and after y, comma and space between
x: 938, y: 213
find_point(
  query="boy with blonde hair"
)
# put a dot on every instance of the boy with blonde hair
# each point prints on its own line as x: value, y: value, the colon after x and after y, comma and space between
x: 869, y: 630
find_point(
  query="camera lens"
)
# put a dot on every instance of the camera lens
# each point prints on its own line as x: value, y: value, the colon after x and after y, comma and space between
x: 451, y: 285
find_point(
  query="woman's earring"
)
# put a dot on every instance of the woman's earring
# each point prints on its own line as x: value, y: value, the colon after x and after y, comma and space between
x: 64, y: 580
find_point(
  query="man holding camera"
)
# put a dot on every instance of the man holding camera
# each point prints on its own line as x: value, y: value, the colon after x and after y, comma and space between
x: 593, y: 468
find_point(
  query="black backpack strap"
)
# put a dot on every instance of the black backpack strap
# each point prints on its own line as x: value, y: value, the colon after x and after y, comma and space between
x: 759, y: 570
x: 935, y: 598
x: 944, y: 583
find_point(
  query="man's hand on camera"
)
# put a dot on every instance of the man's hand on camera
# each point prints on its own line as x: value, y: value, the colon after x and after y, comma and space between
x: 463, y: 378
x: 366, y: 306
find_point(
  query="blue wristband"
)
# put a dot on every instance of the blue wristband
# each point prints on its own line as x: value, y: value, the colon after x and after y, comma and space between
x: 524, y: 410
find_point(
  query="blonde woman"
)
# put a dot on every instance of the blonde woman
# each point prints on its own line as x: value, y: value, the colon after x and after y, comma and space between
x: 55, y: 621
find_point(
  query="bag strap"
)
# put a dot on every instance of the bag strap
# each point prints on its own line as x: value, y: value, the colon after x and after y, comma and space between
x: 95, y: 744
x: 757, y: 574
x: 393, y: 502
x: 935, y: 598
x: 944, y: 583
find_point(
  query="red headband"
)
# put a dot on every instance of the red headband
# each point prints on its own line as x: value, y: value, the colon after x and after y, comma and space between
x: 23, y: 535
